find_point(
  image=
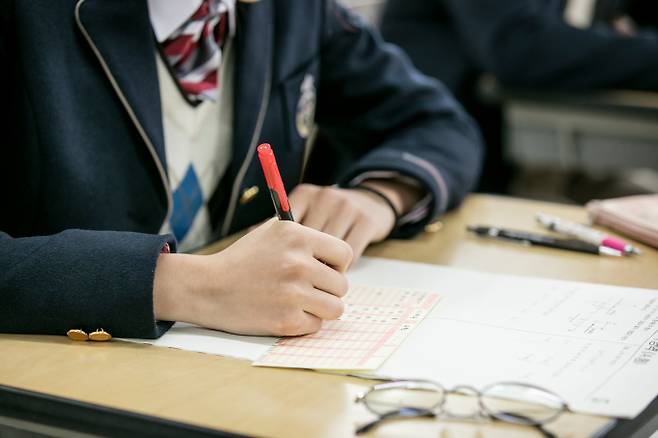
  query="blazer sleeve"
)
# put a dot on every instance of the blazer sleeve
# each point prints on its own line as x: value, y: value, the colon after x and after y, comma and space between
x: 527, y: 43
x: 80, y: 279
x: 372, y: 100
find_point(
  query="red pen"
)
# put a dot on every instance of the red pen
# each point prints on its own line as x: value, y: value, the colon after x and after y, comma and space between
x: 274, y: 183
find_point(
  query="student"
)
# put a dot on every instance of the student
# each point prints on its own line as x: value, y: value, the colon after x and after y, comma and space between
x: 133, y: 125
x: 524, y: 43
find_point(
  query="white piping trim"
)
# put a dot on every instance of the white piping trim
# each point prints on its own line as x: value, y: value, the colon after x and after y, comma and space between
x: 309, y: 144
x: 131, y: 113
x: 418, y: 213
x: 252, y: 148
x: 434, y: 172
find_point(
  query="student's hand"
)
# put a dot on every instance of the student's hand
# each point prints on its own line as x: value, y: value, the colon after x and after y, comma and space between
x: 356, y: 216
x: 281, y: 279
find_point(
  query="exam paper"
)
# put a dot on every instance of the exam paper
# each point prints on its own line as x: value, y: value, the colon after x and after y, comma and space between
x: 594, y: 345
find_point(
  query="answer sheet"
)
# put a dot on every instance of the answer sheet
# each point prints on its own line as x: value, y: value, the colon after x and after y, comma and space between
x: 375, y: 322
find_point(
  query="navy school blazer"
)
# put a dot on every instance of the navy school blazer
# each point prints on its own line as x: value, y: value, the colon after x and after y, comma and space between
x: 84, y: 182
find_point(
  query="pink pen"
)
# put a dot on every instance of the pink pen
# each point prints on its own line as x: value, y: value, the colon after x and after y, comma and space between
x: 585, y: 233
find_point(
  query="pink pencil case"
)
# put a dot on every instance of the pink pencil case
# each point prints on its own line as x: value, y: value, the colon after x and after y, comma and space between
x: 634, y: 216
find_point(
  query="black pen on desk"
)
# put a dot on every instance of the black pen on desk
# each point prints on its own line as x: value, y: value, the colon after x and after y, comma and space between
x: 534, y: 239
x: 274, y: 182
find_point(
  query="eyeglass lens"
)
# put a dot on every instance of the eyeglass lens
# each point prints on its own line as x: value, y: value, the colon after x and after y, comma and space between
x: 521, y: 404
x: 392, y: 398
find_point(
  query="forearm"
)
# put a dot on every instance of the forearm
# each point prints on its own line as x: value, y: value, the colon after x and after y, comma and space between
x: 400, y: 122
x: 443, y: 156
x: 177, y: 276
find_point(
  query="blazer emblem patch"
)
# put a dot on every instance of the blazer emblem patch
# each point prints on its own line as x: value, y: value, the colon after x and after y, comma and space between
x: 305, y: 118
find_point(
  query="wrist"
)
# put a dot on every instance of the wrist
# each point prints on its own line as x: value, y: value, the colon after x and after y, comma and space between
x: 382, y: 197
x: 176, y: 283
x: 402, y: 196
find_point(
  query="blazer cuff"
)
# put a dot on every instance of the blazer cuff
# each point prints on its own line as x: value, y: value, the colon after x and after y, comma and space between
x: 82, y: 279
x: 418, y: 212
x: 409, y: 167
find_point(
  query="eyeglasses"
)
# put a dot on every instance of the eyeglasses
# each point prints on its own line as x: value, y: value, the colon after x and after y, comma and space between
x: 510, y: 402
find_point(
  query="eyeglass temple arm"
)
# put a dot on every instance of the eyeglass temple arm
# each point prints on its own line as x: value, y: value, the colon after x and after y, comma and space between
x: 529, y: 422
x: 402, y: 413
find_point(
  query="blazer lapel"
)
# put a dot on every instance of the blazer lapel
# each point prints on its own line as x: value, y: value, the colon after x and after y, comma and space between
x: 120, y: 35
x: 253, y: 81
x: 253, y: 69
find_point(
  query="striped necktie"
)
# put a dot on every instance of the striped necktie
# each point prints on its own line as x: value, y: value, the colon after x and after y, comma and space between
x: 194, y: 50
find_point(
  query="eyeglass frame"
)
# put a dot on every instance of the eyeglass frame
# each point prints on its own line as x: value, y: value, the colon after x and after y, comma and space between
x: 438, y: 410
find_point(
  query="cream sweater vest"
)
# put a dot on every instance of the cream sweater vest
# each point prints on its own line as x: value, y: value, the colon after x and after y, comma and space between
x: 198, y: 136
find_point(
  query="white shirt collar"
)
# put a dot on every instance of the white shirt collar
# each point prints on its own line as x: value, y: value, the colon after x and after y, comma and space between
x: 169, y: 15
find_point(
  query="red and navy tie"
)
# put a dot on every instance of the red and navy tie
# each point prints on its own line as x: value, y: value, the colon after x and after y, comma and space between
x: 194, y: 50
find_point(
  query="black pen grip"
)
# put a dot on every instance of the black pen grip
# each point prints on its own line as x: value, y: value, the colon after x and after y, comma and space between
x: 280, y: 212
x: 550, y: 242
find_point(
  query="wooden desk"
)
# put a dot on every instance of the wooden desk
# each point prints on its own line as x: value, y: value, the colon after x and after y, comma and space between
x: 228, y: 394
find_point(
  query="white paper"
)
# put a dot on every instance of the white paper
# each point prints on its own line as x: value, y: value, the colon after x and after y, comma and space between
x: 191, y: 338
x: 594, y: 345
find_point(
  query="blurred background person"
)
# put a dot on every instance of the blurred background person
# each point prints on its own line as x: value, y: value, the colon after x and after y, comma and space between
x: 550, y: 45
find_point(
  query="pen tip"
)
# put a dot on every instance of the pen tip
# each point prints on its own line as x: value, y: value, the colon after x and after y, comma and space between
x: 604, y: 250
x: 631, y: 250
